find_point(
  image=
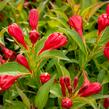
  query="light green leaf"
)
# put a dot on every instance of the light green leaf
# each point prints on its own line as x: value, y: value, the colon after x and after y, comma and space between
x: 42, y: 94
x: 12, y: 68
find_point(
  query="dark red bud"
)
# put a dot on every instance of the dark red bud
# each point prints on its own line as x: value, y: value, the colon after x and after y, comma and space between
x: 66, y: 103
x: 75, y: 82
x: 8, y: 54
x: 34, y: 36
x: 54, y: 41
x: 62, y: 84
x: 44, y: 77
x: 106, y: 103
x: 23, y: 61
x: 15, y: 31
x: 6, y: 81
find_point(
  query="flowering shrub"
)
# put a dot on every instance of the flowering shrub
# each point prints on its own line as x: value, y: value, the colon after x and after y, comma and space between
x: 58, y: 59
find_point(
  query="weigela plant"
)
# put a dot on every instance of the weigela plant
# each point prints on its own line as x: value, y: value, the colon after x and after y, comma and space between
x: 61, y: 60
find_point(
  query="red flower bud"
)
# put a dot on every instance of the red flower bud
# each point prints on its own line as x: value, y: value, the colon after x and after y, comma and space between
x: 8, y: 54
x: 68, y: 84
x: 33, y: 35
x: 75, y: 82
x: 54, y: 41
x: 6, y: 81
x: 2, y: 61
x: 106, y: 103
x: 63, y: 88
x: 23, y: 61
x: 92, y: 88
x: 106, y: 50
x: 66, y: 103
x: 33, y: 18
x: 107, y: 9
x: 44, y: 77
x: 15, y: 31
x: 76, y: 23
x: 103, y: 22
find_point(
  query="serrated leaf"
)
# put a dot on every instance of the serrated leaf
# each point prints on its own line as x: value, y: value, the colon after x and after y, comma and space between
x: 42, y: 94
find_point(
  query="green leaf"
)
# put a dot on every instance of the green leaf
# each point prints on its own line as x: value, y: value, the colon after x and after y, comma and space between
x: 24, y: 98
x: 73, y: 35
x: 88, y: 12
x: 42, y: 94
x: 15, y: 105
x: 54, y: 54
x: 12, y: 68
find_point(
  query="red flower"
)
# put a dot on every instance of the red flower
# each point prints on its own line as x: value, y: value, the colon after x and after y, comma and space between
x: 62, y: 84
x: 106, y: 50
x: 103, y: 22
x: 33, y: 18
x: 106, y: 103
x: 8, y: 54
x: 107, y: 9
x: 92, y: 88
x: 44, y: 77
x: 75, y: 82
x: 54, y: 41
x: 68, y: 84
x: 15, y: 31
x: 6, y: 81
x: 33, y: 35
x: 76, y: 23
x: 23, y: 61
x: 66, y: 103
x: 89, y: 88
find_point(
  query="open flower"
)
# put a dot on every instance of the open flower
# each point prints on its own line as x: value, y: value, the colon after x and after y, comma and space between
x: 15, y: 31
x: 54, y: 41
x: 6, y: 81
x: 33, y: 18
x: 76, y: 23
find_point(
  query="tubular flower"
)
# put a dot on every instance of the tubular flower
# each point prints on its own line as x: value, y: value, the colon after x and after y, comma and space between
x: 54, y: 41
x: 103, y: 22
x: 76, y: 23
x: 66, y: 103
x: 75, y: 82
x: 23, y: 61
x: 15, y: 31
x: 106, y: 50
x: 107, y: 9
x: 6, y: 81
x: 34, y: 36
x: 8, y: 54
x: 44, y: 77
x: 106, y: 103
x: 89, y: 88
x: 33, y: 18
x: 62, y: 84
